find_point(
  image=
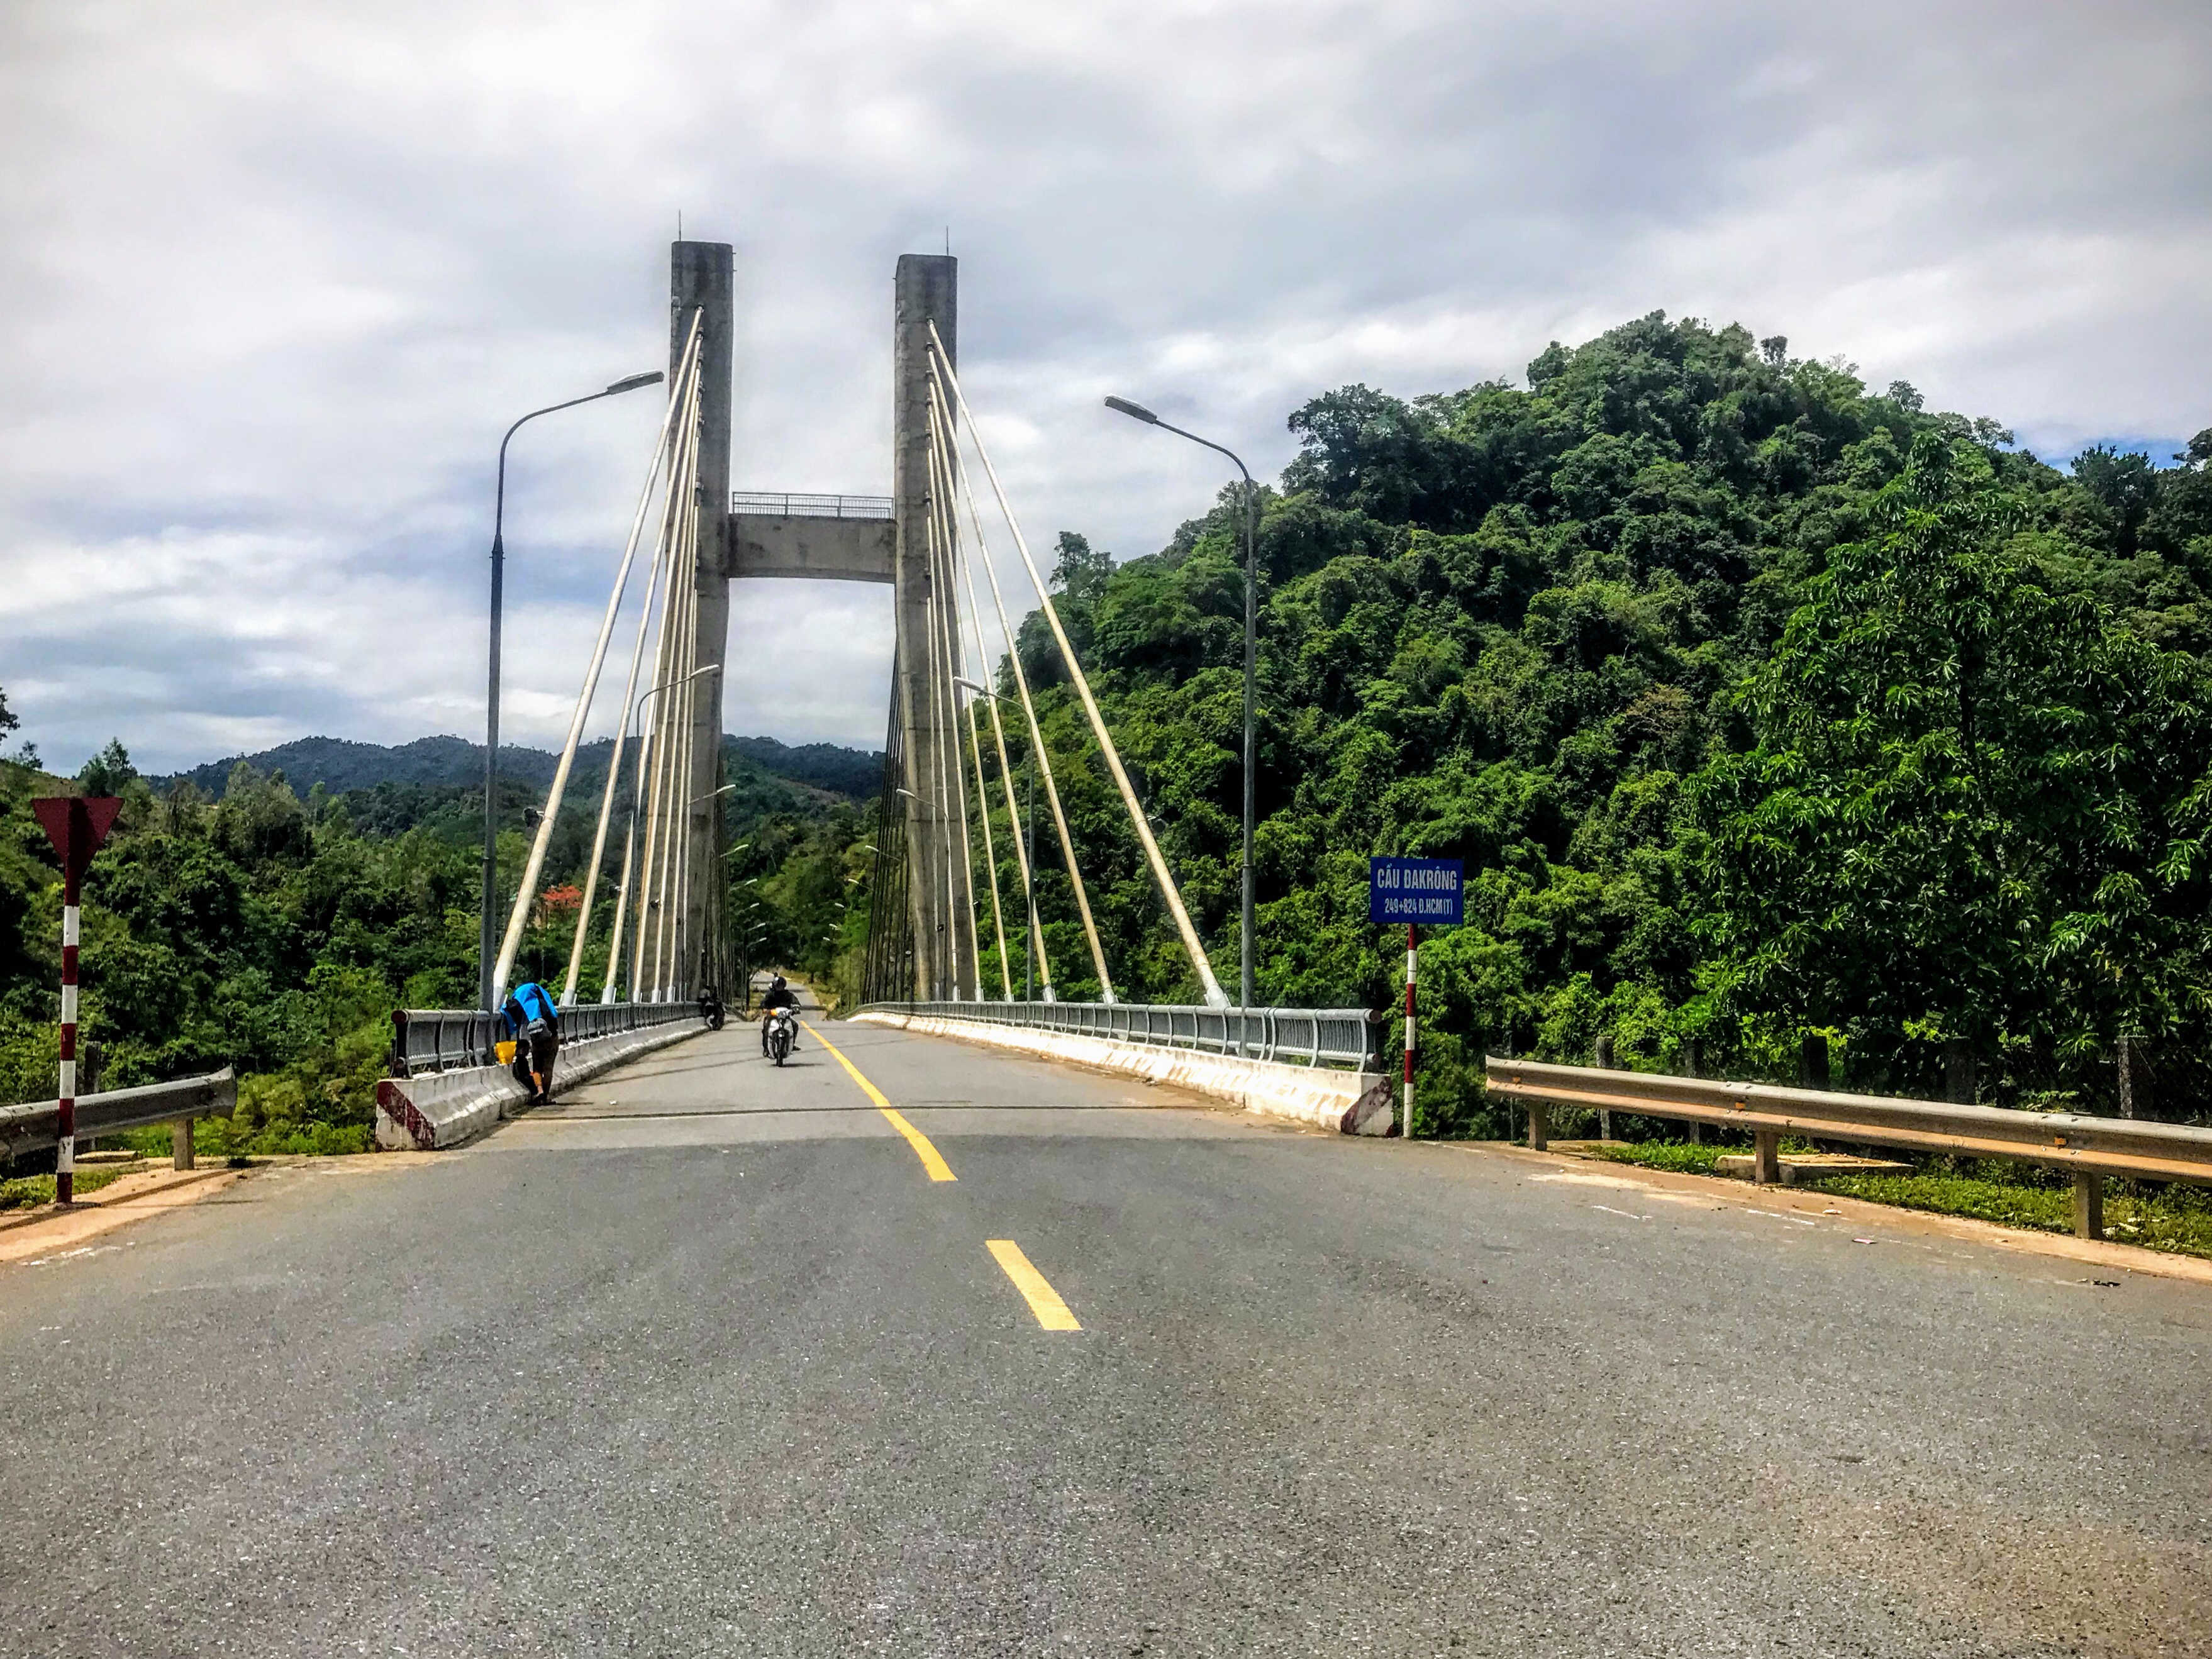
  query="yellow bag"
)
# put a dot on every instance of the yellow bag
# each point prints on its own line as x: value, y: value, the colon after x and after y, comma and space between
x: 505, y: 1049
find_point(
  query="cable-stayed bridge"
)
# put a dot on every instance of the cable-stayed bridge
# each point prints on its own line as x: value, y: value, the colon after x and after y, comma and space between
x: 935, y: 933
x: 931, y: 1346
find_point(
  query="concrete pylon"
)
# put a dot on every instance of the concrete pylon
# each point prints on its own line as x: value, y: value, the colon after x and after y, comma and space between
x: 702, y: 277
x: 926, y: 290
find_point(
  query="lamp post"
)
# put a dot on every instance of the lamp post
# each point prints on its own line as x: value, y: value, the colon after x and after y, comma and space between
x: 1138, y: 412
x: 487, y: 932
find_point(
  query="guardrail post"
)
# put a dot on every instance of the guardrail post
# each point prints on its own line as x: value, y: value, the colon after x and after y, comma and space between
x: 1766, y: 1152
x: 1690, y: 1068
x: 1540, y: 1126
x: 1813, y: 1061
x: 180, y: 1144
x: 2134, y: 1079
x: 2088, y: 1204
x: 1605, y: 1063
x: 1958, y: 1071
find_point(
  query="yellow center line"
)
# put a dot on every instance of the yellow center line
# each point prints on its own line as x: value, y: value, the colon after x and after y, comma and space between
x: 932, y: 1159
x: 1044, y: 1302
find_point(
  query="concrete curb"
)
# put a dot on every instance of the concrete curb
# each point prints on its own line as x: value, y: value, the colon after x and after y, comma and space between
x: 1300, y: 1094
x: 444, y: 1110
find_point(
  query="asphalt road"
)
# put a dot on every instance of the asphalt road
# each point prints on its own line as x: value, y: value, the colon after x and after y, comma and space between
x: 705, y: 1362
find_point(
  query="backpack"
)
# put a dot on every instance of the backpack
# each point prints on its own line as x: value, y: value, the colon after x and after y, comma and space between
x: 532, y: 997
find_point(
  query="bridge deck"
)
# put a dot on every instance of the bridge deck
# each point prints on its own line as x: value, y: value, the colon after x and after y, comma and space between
x: 704, y: 1362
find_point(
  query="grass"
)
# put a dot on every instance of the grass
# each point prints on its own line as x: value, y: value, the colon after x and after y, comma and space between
x: 215, y: 1140
x: 2177, y: 1218
x: 1679, y: 1156
x: 29, y: 1192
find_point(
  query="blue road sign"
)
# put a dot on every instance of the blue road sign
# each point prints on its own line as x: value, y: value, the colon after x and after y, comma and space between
x: 1426, y: 891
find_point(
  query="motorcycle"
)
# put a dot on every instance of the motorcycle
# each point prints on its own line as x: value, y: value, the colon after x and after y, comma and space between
x: 783, y: 1032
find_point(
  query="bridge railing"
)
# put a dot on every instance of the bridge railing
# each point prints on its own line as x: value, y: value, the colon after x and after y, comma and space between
x: 425, y: 1040
x: 787, y: 505
x: 1347, y: 1039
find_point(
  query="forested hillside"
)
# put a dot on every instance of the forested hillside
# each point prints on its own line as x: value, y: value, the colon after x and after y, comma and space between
x: 1754, y: 701
x: 259, y: 925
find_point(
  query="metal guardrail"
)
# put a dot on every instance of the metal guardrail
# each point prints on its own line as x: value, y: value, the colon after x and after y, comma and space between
x: 1347, y: 1039
x: 34, y: 1126
x: 427, y: 1040
x: 810, y: 506
x: 2090, y: 1147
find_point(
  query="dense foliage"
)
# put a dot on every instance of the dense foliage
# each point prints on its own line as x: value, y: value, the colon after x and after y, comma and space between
x: 1754, y: 703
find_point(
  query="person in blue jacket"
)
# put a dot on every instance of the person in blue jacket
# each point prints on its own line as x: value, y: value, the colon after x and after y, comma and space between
x: 532, y: 1018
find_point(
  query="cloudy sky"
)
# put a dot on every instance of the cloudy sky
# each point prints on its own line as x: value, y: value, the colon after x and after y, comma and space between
x: 274, y: 278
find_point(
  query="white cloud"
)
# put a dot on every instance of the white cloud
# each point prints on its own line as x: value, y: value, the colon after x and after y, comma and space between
x: 274, y: 279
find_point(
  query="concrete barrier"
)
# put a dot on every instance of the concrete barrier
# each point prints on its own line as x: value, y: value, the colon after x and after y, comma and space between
x: 444, y: 1109
x: 1322, y: 1099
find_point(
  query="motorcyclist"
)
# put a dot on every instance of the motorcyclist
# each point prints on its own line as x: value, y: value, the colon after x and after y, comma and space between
x: 532, y: 1018
x: 778, y: 995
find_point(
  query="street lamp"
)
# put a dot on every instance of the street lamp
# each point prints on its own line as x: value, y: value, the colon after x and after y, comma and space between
x: 1138, y: 412
x: 636, y: 714
x: 487, y: 936
x: 637, y: 791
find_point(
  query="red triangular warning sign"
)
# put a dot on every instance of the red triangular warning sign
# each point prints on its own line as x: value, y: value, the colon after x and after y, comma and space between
x: 76, y: 824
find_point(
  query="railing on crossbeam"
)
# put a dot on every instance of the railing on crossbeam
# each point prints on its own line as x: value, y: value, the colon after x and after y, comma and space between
x: 1346, y: 1039
x: 779, y: 505
x: 425, y: 1040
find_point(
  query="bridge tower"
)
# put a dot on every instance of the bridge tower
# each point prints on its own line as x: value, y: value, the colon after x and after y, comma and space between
x: 702, y: 277
x: 769, y: 536
x: 925, y: 291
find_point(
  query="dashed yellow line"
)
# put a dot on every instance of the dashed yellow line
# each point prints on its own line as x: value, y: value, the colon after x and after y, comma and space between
x: 932, y: 1159
x: 1044, y: 1302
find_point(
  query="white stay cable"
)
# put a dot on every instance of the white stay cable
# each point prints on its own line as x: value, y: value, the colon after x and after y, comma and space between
x: 641, y: 784
x: 640, y: 780
x: 941, y: 488
x: 948, y: 923
x: 526, y: 894
x: 629, y: 690
x: 679, y: 920
x: 676, y: 786
x: 998, y: 734
x: 1215, y: 997
x: 1037, y: 748
x: 991, y: 862
x: 948, y: 551
x: 673, y: 622
x: 682, y: 944
x: 671, y: 627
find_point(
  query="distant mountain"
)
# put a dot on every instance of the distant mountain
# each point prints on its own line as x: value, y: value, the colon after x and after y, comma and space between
x: 445, y: 762
x: 857, y: 774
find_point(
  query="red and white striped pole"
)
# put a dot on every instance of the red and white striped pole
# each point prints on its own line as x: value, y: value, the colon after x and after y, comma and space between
x: 76, y: 826
x: 65, y: 1107
x: 1412, y: 950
